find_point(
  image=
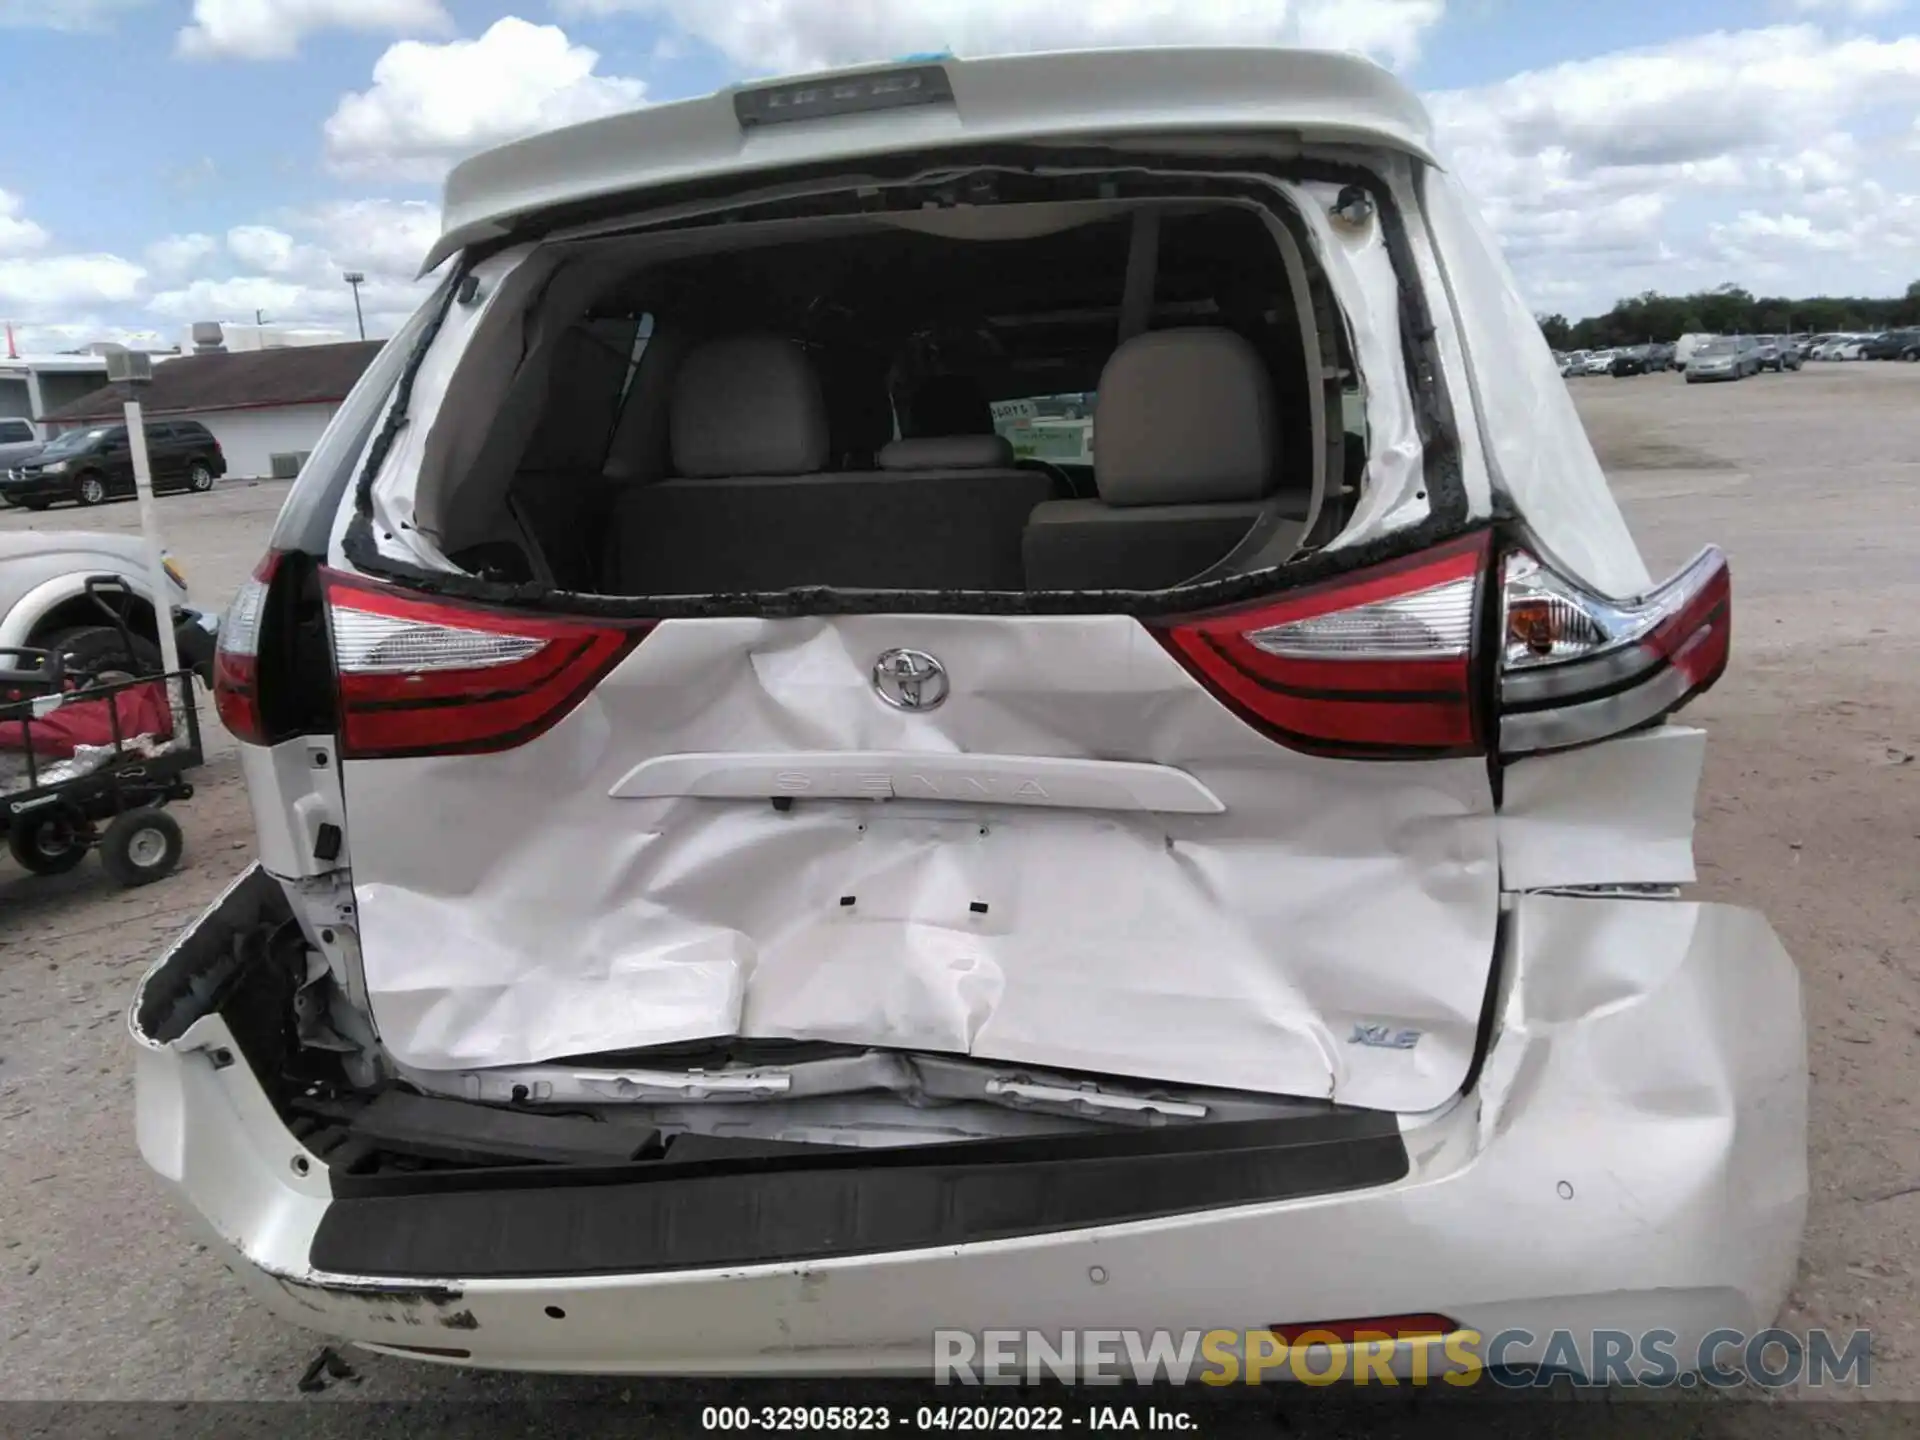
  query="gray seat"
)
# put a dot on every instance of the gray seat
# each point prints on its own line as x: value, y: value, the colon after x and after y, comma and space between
x: 1184, y: 448
x: 750, y: 510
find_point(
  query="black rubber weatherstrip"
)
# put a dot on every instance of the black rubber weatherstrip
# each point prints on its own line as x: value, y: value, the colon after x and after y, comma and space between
x: 787, y: 1208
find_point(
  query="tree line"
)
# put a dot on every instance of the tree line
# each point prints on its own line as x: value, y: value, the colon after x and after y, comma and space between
x: 1728, y: 310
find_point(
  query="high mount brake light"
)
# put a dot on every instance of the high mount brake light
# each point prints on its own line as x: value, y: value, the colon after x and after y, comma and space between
x: 1577, y: 667
x: 420, y: 676
x: 236, y: 656
x: 1383, y: 663
x: 1377, y: 664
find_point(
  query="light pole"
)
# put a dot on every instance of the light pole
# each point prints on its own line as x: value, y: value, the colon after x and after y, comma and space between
x: 135, y: 370
x: 356, y: 279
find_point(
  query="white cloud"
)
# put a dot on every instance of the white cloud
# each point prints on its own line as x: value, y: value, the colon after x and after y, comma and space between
x: 41, y: 285
x: 380, y: 237
x: 177, y: 254
x: 38, y: 288
x: 17, y: 233
x: 238, y: 295
x: 75, y: 334
x: 1388, y: 30
x: 787, y: 36
x: 1769, y: 231
x: 273, y: 29
x: 1620, y: 169
x: 430, y: 105
x: 63, y: 14
x: 261, y: 247
x: 292, y: 269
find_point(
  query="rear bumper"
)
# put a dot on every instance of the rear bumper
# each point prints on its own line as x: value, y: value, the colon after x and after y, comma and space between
x: 1632, y: 1157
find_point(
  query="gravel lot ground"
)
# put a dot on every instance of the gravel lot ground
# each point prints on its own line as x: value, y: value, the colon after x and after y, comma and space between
x: 1810, y: 809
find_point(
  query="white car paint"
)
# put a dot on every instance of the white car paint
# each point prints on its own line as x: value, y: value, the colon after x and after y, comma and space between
x: 1136, y: 883
x: 1018, y: 99
x: 1676, y: 1204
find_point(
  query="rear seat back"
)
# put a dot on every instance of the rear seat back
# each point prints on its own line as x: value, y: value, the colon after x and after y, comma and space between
x: 750, y: 509
x: 1184, y: 449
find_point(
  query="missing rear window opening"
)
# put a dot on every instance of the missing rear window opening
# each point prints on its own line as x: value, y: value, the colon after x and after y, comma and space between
x: 909, y: 406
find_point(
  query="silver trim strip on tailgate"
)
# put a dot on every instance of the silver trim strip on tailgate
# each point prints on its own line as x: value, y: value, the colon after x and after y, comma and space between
x: 904, y: 775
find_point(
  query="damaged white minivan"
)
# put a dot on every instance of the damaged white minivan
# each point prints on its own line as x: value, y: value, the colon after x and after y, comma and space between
x: 766, y: 852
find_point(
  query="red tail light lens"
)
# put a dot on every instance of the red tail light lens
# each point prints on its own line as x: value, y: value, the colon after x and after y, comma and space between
x: 420, y: 676
x: 236, y: 656
x: 1377, y: 664
x: 1577, y: 667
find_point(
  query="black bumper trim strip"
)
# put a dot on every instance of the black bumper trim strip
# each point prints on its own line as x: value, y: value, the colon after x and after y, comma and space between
x: 799, y: 1208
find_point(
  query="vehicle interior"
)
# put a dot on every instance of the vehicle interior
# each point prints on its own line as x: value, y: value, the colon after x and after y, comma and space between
x: 813, y: 405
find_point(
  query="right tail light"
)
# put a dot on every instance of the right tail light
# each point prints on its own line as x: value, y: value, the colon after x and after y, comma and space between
x: 1576, y: 667
x: 1386, y: 662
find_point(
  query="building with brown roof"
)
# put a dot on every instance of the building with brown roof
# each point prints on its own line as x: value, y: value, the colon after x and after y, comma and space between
x: 267, y: 408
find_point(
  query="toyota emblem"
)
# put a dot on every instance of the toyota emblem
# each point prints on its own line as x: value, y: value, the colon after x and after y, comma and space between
x: 910, y: 679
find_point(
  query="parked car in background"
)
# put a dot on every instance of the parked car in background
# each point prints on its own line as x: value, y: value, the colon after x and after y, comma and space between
x: 95, y: 464
x: 836, y: 904
x: 19, y: 442
x: 45, y: 604
x: 1642, y: 359
x: 1888, y: 344
x: 1777, y: 353
x: 1684, y: 347
x: 1574, y: 362
x: 1629, y: 360
x: 1599, y: 363
x: 1911, y: 350
x: 1726, y: 357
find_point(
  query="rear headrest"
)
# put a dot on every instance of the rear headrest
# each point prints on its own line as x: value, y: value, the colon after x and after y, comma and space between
x: 948, y: 452
x: 1184, y: 417
x: 749, y: 405
x: 948, y: 405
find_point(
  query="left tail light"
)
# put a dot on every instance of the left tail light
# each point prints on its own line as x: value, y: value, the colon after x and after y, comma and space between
x: 423, y: 676
x: 236, y: 656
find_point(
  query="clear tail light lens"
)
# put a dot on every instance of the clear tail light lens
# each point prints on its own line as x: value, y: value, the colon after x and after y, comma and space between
x: 1403, y: 661
x: 1577, y: 667
x: 1376, y: 664
x: 420, y: 676
x: 236, y: 658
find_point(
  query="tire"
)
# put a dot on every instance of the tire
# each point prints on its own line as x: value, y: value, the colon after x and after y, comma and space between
x: 199, y: 477
x: 49, y: 842
x: 90, y: 489
x: 142, y: 846
x: 97, y: 654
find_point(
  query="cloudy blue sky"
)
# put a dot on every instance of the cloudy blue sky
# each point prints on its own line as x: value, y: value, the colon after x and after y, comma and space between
x: 177, y: 160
